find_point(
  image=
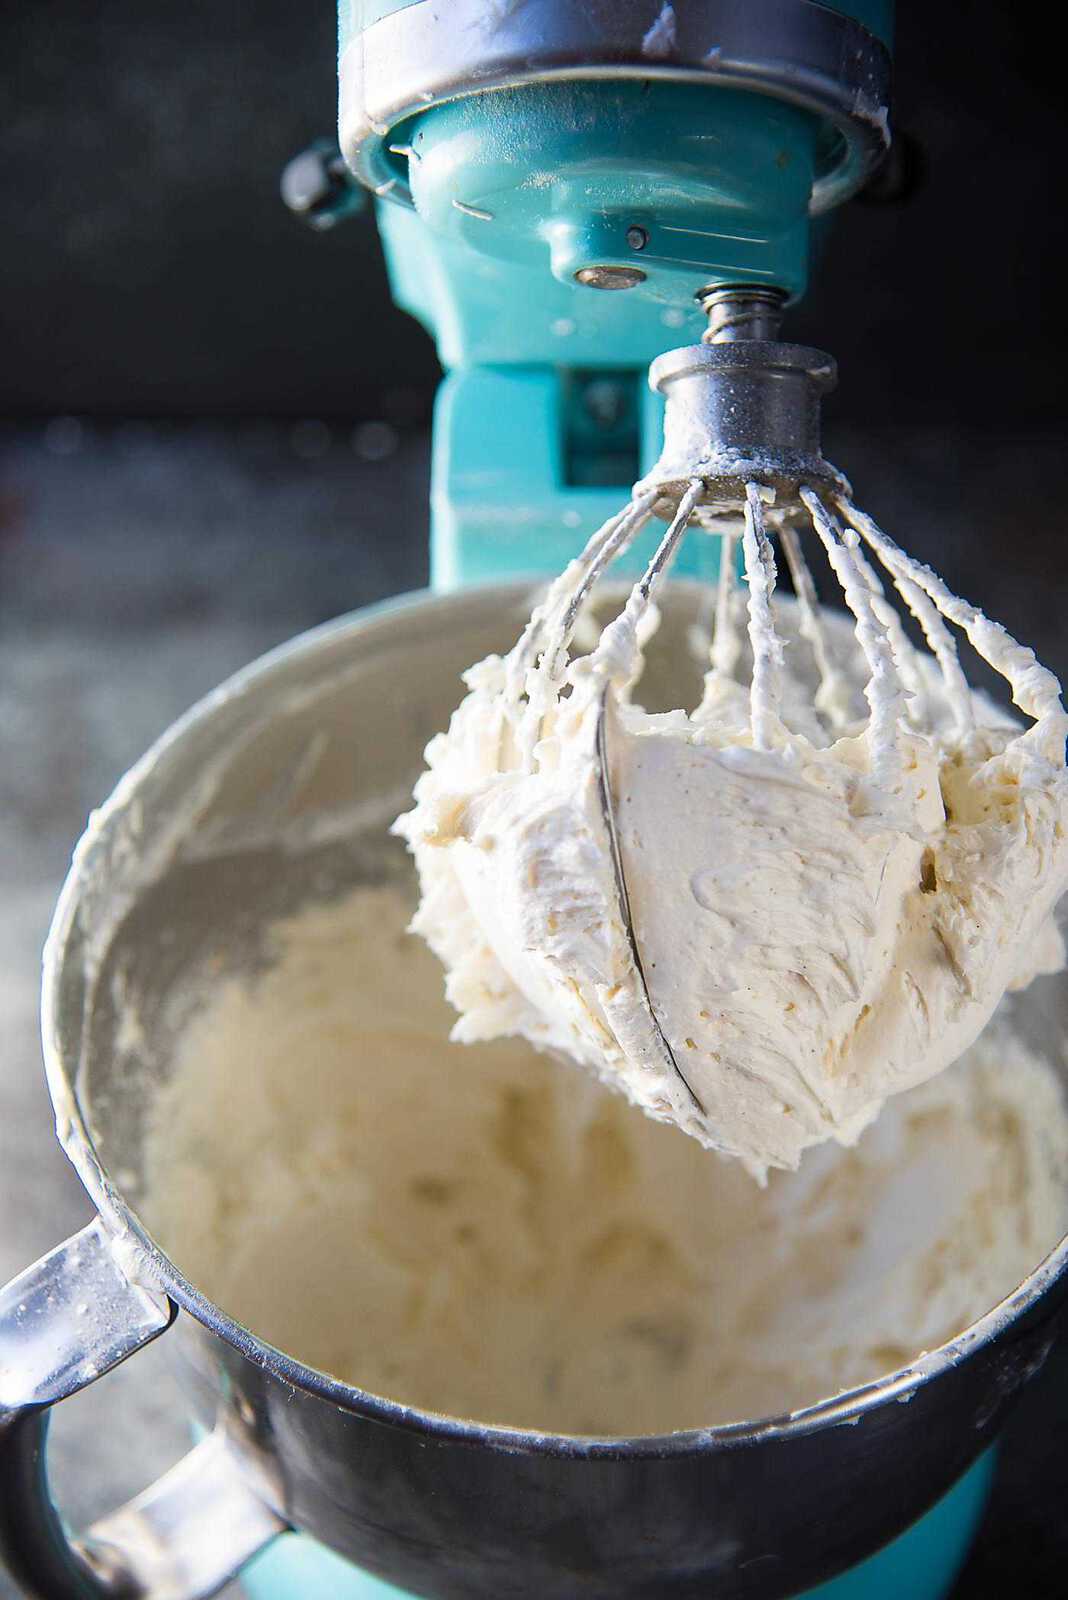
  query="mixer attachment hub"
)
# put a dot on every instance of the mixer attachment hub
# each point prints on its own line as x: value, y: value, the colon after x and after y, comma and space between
x: 745, y: 410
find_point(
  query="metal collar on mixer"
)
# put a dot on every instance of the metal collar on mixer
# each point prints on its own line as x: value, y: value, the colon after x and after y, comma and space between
x: 742, y: 406
x: 813, y: 57
x: 742, y: 411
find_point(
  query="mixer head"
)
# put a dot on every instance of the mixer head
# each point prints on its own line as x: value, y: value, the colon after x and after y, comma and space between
x: 562, y: 189
x: 626, y: 144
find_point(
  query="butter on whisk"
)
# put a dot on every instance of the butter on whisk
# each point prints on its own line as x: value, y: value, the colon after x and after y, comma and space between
x: 759, y: 917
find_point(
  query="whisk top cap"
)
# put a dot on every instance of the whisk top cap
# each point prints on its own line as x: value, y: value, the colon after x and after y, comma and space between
x: 745, y: 356
x: 739, y: 411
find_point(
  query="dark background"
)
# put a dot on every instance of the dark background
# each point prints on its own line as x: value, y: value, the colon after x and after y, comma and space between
x: 215, y: 435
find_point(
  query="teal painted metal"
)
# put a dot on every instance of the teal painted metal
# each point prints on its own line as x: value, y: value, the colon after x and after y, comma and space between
x: 558, y: 174
x: 515, y: 195
x: 567, y: 171
x: 510, y: 321
x: 509, y: 336
x: 512, y: 199
x: 501, y: 505
x: 484, y: 311
x: 921, y: 1564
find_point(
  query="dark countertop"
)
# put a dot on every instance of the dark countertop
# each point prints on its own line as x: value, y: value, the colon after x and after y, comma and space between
x: 139, y: 565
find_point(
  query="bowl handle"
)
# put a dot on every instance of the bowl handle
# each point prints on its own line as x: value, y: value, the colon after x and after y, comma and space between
x: 63, y: 1323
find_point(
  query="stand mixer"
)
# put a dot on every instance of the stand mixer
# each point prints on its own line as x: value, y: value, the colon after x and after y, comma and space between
x: 560, y: 190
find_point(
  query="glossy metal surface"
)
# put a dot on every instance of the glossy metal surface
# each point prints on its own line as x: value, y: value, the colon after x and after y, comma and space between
x: 64, y: 1323
x: 441, y: 1506
x: 746, y: 408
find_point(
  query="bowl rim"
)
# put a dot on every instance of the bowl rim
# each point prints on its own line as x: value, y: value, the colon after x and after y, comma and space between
x: 156, y: 1271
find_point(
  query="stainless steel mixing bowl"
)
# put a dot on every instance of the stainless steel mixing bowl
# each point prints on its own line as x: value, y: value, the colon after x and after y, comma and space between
x: 248, y: 807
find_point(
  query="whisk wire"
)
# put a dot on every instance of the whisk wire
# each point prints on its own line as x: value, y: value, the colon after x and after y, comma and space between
x: 1035, y: 690
x: 883, y: 689
x: 760, y: 573
x: 940, y: 641
x: 906, y: 656
x: 556, y: 616
x: 832, y: 695
x: 859, y: 554
x: 726, y: 645
x: 606, y: 656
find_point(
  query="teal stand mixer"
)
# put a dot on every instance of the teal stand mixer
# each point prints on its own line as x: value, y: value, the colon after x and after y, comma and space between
x: 564, y: 192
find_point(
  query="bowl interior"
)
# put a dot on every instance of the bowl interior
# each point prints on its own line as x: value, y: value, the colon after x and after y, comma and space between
x: 278, y: 792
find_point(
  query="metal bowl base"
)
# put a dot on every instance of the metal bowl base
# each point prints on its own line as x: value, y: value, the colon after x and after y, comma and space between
x: 923, y: 1562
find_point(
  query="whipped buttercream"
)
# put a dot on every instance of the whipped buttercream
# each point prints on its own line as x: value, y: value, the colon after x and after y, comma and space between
x: 762, y: 917
x: 483, y: 1231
